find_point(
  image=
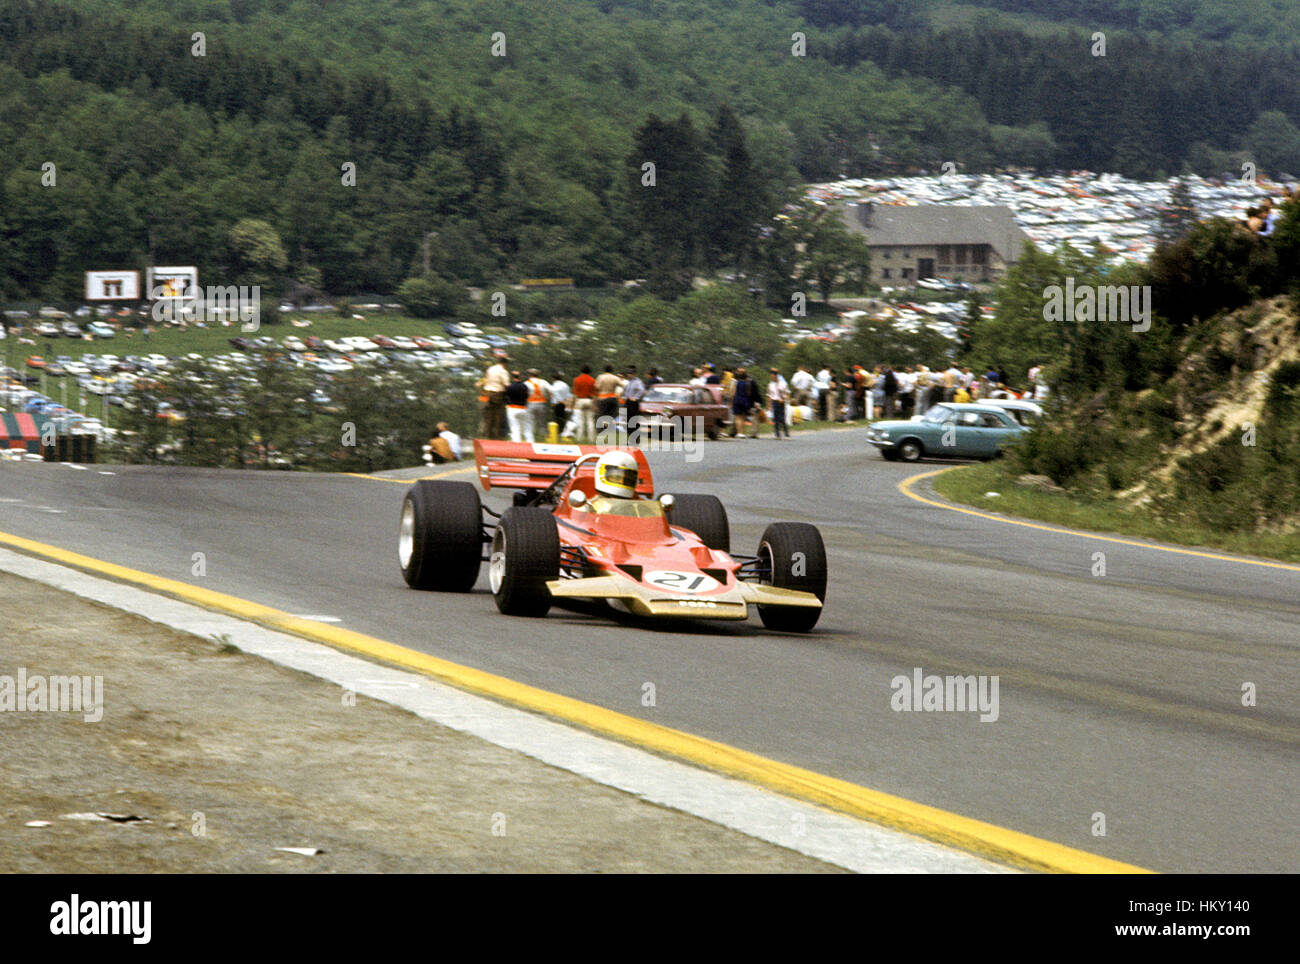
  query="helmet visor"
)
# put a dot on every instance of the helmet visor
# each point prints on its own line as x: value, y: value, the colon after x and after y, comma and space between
x: 618, y: 475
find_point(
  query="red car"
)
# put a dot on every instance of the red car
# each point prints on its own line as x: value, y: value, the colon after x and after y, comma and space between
x: 686, y: 408
x: 564, y: 539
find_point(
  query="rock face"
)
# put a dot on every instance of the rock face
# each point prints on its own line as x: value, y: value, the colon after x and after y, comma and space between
x: 1030, y: 481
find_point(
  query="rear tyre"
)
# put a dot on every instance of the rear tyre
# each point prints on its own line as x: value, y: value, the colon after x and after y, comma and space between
x: 440, y: 539
x: 525, y: 554
x: 706, y: 516
x: 795, y: 557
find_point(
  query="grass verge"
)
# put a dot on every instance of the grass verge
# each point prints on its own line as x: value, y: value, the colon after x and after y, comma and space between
x: 968, y: 485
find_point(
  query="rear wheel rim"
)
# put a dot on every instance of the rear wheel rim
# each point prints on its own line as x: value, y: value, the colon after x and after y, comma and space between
x: 497, y: 562
x: 406, y: 535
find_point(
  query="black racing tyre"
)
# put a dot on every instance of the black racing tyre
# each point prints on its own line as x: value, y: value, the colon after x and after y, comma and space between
x: 795, y: 556
x: 910, y: 450
x: 706, y: 516
x: 525, y: 554
x: 440, y: 540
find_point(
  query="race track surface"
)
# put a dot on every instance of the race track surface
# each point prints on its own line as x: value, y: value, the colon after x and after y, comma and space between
x: 1119, y: 694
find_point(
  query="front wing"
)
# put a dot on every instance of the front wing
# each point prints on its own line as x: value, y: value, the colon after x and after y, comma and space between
x: 645, y: 600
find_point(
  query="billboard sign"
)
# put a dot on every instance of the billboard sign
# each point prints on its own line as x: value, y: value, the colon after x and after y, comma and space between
x: 173, y: 284
x: 112, y: 285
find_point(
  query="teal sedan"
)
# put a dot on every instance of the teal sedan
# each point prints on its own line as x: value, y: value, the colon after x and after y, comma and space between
x: 951, y: 430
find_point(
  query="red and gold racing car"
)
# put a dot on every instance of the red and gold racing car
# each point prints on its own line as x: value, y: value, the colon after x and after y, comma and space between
x: 585, y: 524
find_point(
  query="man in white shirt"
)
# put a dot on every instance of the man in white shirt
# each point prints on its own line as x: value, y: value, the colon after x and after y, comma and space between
x: 560, y: 396
x: 778, y: 393
x: 906, y: 387
x: 801, y: 386
x: 824, y: 379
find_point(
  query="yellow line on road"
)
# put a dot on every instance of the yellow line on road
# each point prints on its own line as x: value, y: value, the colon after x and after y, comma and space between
x: 436, y: 475
x: 985, y: 839
x: 905, y: 487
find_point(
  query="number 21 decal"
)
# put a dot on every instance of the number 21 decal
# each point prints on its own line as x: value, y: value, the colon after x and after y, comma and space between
x: 690, y: 582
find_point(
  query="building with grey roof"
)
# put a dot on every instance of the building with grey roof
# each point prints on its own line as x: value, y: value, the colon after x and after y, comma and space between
x: 960, y: 243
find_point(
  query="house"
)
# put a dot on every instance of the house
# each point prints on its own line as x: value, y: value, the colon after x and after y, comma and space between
x: 912, y: 242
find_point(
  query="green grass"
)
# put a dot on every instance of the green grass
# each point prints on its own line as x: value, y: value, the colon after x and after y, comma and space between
x: 969, y: 484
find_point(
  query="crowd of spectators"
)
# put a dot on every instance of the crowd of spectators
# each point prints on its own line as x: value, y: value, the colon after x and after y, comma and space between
x: 522, y: 405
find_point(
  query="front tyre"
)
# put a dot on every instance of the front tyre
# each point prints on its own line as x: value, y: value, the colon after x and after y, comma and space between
x: 795, y: 557
x: 910, y: 450
x: 525, y: 555
x: 706, y: 516
x: 440, y: 540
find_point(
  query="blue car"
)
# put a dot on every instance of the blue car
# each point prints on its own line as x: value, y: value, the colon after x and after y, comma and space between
x: 951, y: 430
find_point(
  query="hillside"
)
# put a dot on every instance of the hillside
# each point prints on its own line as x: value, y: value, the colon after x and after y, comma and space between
x: 508, y: 144
x: 1216, y: 444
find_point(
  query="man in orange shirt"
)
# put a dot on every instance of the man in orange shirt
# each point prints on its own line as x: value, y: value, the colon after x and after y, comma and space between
x: 584, y: 404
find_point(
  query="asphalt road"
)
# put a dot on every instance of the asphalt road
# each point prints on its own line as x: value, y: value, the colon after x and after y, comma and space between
x: 1119, y: 695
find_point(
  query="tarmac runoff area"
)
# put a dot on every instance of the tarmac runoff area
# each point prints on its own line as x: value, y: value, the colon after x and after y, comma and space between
x: 229, y: 741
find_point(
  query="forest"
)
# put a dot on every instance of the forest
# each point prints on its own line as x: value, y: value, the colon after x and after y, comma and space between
x: 351, y: 146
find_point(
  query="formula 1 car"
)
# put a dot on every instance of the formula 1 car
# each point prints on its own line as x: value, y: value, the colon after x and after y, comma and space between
x: 567, y: 537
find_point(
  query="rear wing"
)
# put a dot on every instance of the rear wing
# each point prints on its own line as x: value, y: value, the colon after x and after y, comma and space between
x: 535, y: 465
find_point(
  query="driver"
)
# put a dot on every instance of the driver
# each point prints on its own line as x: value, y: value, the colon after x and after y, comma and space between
x: 616, y: 475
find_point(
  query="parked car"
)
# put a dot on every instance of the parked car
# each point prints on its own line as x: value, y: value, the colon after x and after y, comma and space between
x: 950, y: 430
x: 100, y: 330
x: 1024, y: 411
x: 688, y: 407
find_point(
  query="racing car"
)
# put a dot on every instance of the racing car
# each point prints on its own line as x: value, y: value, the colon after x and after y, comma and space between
x: 585, y: 525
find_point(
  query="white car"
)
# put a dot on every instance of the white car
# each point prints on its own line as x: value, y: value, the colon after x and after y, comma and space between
x: 1021, y: 409
x: 359, y: 343
x: 404, y: 343
x: 294, y: 343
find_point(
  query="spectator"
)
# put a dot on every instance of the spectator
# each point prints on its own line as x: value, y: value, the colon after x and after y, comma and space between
x: 697, y: 376
x: 445, y: 445
x: 1270, y: 215
x: 854, y: 392
x: 560, y: 396
x: 801, y: 386
x: 492, y: 425
x: 889, y: 390
x: 906, y: 392
x: 633, y: 392
x: 608, y: 385
x: 584, y: 405
x: 521, y: 425
x: 539, y: 405
x: 778, y: 393
x: 711, y: 377
x: 743, y: 397
x: 825, y: 380
x: 949, y: 381
x: 924, y: 386
x: 652, y: 378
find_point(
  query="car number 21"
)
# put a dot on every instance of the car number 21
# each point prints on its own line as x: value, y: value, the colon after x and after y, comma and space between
x: 690, y: 582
